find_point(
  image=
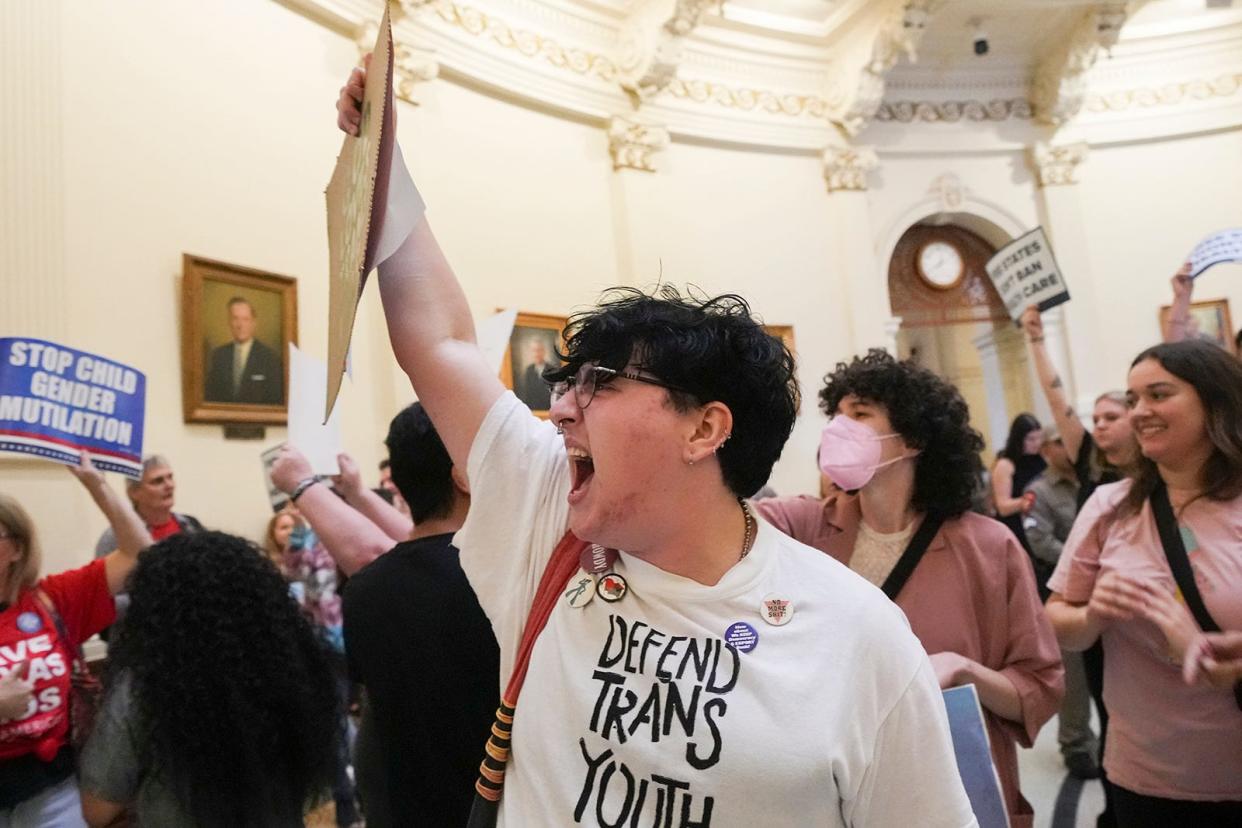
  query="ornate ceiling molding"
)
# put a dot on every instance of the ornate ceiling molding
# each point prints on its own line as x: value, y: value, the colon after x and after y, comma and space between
x: 898, y: 35
x: 632, y: 142
x: 951, y: 112
x: 846, y: 168
x: 651, y: 43
x: 1059, y: 85
x: 1055, y: 166
x: 739, y: 83
x: 1170, y: 94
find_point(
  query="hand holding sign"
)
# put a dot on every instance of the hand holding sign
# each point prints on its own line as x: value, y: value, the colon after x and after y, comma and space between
x: 1225, y: 246
x: 1025, y: 273
x: 372, y: 204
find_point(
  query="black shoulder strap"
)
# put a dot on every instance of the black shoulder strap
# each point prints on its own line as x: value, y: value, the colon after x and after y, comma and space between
x: 1179, y: 563
x: 914, y: 553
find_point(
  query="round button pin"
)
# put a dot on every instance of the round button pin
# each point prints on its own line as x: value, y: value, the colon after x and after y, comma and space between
x: 776, y: 609
x: 597, y: 559
x: 29, y: 622
x: 742, y: 636
x: 580, y: 590
x: 611, y: 587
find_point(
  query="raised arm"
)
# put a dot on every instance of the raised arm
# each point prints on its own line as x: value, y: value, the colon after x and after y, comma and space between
x: 131, y: 535
x: 1179, y: 313
x: 351, y: 539
x: 429, y: 322
x: 1071, y: 428
x: 374, y: 508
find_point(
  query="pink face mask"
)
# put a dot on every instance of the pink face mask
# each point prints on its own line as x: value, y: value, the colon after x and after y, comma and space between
x: 849, y: 452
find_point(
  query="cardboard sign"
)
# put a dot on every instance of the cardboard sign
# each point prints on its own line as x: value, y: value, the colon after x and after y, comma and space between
x: 57, y: 401
x: 974, y: 756
x: 1025, y: 273
x: 356, y: 197
x: 320, y: 442
x: 1225, y: 246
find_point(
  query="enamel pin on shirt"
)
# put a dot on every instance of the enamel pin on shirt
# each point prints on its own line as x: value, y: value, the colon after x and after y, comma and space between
x: 581, y: 590
x: 611, y: 587
x: 776, y: 609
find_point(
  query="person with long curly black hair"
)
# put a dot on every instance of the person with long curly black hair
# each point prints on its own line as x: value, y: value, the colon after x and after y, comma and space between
x: 221, y: 709
x: 901, y: 451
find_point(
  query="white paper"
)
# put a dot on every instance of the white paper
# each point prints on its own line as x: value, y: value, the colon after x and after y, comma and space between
x: 493, y: 335
x: 275, y: 495
x: 1225, y: 246
x: 403, y: 209
x: 1025, y: 273
x: 308, y: 391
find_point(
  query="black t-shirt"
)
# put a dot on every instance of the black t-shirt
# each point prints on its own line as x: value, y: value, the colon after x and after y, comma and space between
x: 418, y: 640
x: 1088, y: 479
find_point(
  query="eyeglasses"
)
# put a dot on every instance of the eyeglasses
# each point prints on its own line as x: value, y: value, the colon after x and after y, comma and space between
x: 590, y: 377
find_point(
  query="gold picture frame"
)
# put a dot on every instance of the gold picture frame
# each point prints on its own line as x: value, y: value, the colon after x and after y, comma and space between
x: 533, y: 345
x: 1209, y: 320
x: 225, y: 307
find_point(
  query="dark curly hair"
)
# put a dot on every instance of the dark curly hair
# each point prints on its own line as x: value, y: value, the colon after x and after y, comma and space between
x: 421, y: 467
x: 232, y: 688
x: 1217, y: 379
x: 712, y: 348
x: 929, y: 414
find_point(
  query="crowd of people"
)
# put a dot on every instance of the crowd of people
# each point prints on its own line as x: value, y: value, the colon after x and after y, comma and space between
x: 593, y: 619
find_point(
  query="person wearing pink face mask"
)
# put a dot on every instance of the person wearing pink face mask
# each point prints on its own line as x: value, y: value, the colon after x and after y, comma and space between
x: 901, y: 450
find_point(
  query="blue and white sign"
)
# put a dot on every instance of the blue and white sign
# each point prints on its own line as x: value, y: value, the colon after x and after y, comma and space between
x: 1225, y: 246
x: 57, y: 401
x: 974, y: 756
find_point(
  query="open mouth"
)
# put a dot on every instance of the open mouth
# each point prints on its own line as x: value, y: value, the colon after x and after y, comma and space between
x: 581, y: 469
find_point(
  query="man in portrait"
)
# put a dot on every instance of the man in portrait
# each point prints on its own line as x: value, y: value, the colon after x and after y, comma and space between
x: 530, y: 386
x: 245, y: 370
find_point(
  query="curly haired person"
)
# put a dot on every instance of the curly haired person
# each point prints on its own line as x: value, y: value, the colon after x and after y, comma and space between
x: 900, y: 449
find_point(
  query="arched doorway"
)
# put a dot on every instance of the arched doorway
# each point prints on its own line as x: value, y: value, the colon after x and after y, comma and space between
x: 954, y: 323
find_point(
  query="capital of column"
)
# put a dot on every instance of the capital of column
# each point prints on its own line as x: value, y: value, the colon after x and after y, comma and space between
x: 846, y: 168
x: 632, y: 142
x: 1056, y: 165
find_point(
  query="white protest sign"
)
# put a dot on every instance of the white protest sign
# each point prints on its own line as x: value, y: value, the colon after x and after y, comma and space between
x: 493, y: 335
x: 1225, y: 246
x: 277, y: 498
x: 308, y: 389
x: 1025, y: 273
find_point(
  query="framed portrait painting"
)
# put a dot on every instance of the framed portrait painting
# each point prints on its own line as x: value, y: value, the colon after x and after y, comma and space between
x: 533, y: 346
x: 1208, y: 320
x: 236, y: 326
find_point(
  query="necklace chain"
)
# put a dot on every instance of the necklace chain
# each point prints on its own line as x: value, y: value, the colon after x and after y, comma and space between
x: 749, y: 540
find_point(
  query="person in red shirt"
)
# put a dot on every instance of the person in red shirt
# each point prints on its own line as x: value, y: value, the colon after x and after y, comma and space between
x: 37, y: 787
x: 152, y: 498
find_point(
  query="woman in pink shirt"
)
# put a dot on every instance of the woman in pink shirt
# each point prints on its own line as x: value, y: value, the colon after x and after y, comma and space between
x: 1173, y: 750
x: 902, y: 452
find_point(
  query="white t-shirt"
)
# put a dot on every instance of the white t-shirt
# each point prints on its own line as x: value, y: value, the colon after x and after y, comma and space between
x: 638, y: 713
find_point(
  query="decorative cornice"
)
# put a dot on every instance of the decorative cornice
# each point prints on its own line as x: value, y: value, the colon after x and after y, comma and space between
x: 899, y: 35
x: 632, y: 142
x: 1056, y: 166
x: 846, y: 168
x: 1170, y: 94
x: 748, y: 100
x: 951, y: 112
x: 649, y: 47
x: 1059, y: 85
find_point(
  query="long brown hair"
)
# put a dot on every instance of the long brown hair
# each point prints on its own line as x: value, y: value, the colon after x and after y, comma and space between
x: 1217, y: 378
x: 16, y: 522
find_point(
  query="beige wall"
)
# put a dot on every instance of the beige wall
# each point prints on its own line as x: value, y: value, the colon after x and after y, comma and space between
x: 162, y: 128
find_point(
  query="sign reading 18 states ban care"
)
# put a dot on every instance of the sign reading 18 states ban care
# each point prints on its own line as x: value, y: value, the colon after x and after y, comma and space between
x: 1025, y: 273
x: 57, y: 401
